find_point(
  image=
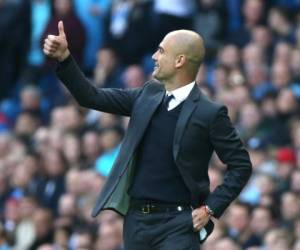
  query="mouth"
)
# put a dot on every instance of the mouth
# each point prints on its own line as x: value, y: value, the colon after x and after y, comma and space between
x: 156, y: 66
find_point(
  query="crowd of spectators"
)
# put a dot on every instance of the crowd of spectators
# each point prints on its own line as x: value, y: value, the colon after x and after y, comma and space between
x: 55, y: 156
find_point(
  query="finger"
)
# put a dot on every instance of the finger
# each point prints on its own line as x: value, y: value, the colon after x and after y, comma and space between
x: 61, y: 30
x: 47, y: 52
x: 46, y: 46
x: 53, y: 39
x: 51, y: 44
x: 49, y: 49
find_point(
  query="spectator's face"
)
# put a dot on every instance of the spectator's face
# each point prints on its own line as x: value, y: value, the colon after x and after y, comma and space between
x: 295, y: 181
x: 12, y: 210
x: 134, y: 77
x: 268, y: 107
x: 73, y: 119
x: 46, y: 247
x: 73, y: 182
x: 54, y: 164
x: 265, y: 184
x: 289, y: 206
x: 26, y: 125
x: 61, y: 238
x: 62, y: 7
x: 21, y: 177
x: 86, y: 181
x: 42, y: 220
x: 110, y: 231
x: 277, y: 239
x: 280, y: 75
x: 67, y: 205
x: 91, y: 145
x: 286, y: 102
x: 41, y: 139
x: 220, y: 79
x: 261, y: 35
x: 83, y: 241
x: 27, y: 207
x: 229, y: 56
x: 58, y: 119
x: 253, y: 55
x: 253, y: 10
x: 257, y: 157
x: 71, y: 149
x: 278, y: 22
x: 238, y: 218
x: 226, y: 243
x: 31, y: 164
x: 283, y: 53
x: 256, y: 74
x: 285, y: 170
x: 110, y: 139
x: 107, y: 60
x: 107, y: 120
x: 297, y: 231
x: 5, y: 144
x: 261, y: 221
x: 55, y: 139
x: 250, y: 116
x: 267, y: 200
x: 295, y: 61
x: 30, y: 99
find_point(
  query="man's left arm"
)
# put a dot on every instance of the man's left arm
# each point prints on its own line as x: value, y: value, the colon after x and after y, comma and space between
x: 231, y: 152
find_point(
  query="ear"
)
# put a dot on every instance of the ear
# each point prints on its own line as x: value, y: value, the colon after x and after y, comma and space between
x: 180, y: 60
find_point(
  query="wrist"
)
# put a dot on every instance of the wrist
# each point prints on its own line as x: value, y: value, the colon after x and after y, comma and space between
x: 208, y: 210
x: 64, y: 56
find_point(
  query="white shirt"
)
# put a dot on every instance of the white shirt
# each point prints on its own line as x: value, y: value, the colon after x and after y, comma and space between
x: 179, y: 94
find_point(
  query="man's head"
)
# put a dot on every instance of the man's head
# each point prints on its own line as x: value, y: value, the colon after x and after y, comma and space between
x: 178, y: 56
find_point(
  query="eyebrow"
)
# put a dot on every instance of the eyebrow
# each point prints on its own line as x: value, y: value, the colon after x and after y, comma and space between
x: 160, y: 48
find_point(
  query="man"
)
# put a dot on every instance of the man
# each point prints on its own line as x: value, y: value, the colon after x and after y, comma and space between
x: 161, y: 173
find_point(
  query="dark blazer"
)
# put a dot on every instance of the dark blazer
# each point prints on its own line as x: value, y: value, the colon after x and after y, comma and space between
x: 203, y: 126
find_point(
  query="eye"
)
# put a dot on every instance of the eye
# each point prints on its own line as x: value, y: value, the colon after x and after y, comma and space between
x: 160, y: 50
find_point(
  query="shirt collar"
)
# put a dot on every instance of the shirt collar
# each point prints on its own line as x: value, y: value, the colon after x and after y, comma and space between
x: 180, y: 94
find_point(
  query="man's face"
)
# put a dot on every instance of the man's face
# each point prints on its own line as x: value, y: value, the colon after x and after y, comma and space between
x: 164, y: 59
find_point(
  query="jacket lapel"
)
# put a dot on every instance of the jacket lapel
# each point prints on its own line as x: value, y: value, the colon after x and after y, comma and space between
x: 145, y: 114
x: 187, y: 109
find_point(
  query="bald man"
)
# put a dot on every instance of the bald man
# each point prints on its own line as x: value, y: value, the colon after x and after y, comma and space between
x: 159, y: 181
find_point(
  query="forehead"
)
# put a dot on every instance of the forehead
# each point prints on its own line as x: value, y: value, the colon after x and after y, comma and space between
x: 166, y: 43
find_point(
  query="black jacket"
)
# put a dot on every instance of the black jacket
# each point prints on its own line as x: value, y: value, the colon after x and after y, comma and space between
x: 203, y: 126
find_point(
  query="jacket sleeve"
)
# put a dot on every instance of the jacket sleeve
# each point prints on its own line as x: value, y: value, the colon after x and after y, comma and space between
x: 110, y: 100
x: 231, y: 152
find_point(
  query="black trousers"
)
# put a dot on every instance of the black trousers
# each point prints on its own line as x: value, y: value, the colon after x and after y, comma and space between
x: 160, y: 231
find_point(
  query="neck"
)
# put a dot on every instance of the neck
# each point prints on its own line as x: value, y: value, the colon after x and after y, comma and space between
x: 176, y: 83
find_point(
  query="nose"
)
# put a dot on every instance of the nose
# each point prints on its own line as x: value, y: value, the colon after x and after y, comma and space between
x: 154, y: 57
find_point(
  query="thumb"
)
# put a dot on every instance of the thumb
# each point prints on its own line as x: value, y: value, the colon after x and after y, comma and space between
x: 61, y: 31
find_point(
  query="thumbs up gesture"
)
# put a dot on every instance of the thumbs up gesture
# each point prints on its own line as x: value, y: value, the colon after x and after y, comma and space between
x: 57, y: 46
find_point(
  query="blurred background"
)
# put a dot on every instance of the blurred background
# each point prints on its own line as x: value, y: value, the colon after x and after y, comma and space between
x: 55, y: 156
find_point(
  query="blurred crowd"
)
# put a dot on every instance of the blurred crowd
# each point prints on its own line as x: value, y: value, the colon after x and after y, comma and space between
x: 55, y: 156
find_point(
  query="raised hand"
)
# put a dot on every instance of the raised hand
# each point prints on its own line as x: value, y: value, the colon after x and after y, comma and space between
x: 57, y: 46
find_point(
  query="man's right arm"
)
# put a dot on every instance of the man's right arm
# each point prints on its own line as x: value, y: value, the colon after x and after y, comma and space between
x: 110, y: 100
x: 117, y: 101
